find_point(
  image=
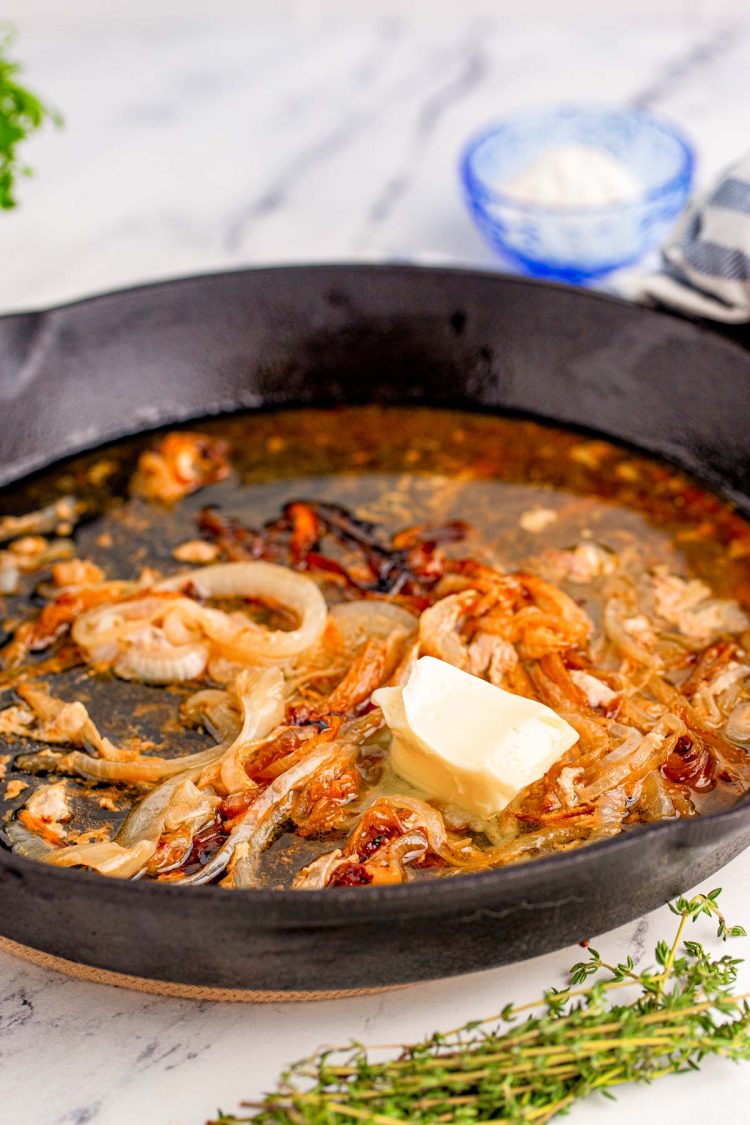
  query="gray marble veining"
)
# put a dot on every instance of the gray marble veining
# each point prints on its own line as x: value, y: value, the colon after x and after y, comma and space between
x: 201, y: 147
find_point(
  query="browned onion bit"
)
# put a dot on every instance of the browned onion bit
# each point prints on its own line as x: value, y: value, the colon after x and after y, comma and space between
x: 691, y: 763
x: 235, y: 541
x: 410, y: 562
x: 351, y: 875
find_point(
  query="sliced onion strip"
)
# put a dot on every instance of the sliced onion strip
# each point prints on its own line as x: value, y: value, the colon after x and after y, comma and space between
x: 144, y: 770
x: 106, y: 857
x: 276, y: 799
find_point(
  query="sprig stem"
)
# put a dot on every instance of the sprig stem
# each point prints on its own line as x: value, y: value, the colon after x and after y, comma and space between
x: 530, y: 1068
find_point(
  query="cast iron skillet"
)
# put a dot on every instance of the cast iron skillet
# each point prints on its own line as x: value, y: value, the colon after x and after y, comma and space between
x: 73, y: 377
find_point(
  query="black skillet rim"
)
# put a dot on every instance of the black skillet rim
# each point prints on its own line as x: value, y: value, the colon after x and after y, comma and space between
x: 736, y: 338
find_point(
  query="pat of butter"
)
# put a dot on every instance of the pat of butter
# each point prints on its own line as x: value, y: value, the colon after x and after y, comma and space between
x: 464, y: 741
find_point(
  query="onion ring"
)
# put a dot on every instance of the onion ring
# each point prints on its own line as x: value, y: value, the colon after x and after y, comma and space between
x: 266, y: 582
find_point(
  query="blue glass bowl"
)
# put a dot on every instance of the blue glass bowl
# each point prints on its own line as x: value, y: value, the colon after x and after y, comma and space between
x: 577, y: 244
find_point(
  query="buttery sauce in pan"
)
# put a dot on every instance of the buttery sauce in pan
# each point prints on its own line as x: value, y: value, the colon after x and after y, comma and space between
x: 603, y: 525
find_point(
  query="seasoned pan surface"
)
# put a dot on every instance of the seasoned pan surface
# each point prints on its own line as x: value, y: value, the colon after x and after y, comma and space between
x: 325, y: 335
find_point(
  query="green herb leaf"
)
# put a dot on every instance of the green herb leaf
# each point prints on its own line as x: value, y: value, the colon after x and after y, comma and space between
x: 504, y: 1069
x: 21, y: 114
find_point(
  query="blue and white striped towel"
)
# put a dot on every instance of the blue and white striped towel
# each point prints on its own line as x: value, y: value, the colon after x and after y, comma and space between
x: 706, y: 264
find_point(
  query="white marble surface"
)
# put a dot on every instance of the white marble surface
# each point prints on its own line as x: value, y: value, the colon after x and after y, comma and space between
x: 210, y: 144
x: 73, y: 1053
x: 220, y: 142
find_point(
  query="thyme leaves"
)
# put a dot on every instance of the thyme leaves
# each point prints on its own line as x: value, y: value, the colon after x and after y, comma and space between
x: 532, y: 1062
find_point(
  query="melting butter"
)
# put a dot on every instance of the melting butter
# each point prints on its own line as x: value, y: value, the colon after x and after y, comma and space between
x: 464, y: 741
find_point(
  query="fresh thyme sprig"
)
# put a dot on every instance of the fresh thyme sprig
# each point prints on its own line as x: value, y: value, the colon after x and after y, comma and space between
x: 510, y: 1069
x: 21, y: 114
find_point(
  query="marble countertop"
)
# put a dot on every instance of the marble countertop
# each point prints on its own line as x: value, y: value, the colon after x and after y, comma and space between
x: 210, y: 144
x: 74, y: 1053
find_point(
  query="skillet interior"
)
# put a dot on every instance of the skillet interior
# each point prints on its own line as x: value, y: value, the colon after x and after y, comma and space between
x: 120, y: 363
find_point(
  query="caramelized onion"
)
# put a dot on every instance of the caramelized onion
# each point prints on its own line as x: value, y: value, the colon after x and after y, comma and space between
x: 610, y: 813
x: 661, y: 719
x: 261, y: 698
x: 319, y: 873
x: 145, y: 821
x: 690, y: 763
x: 100, y: 631
x: 654, y: 801
x: 631, y: 760
x: 143, y: 770
x: 163, y: 638
x: 216, y: 710
x: 159, y: 663
x: 614, y: 627
x: 274, y: 802
x: 107, y: 857
x: 25, y: 842
x: 359, y: 620
x: 738, y: 724
x: 265, y: 582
